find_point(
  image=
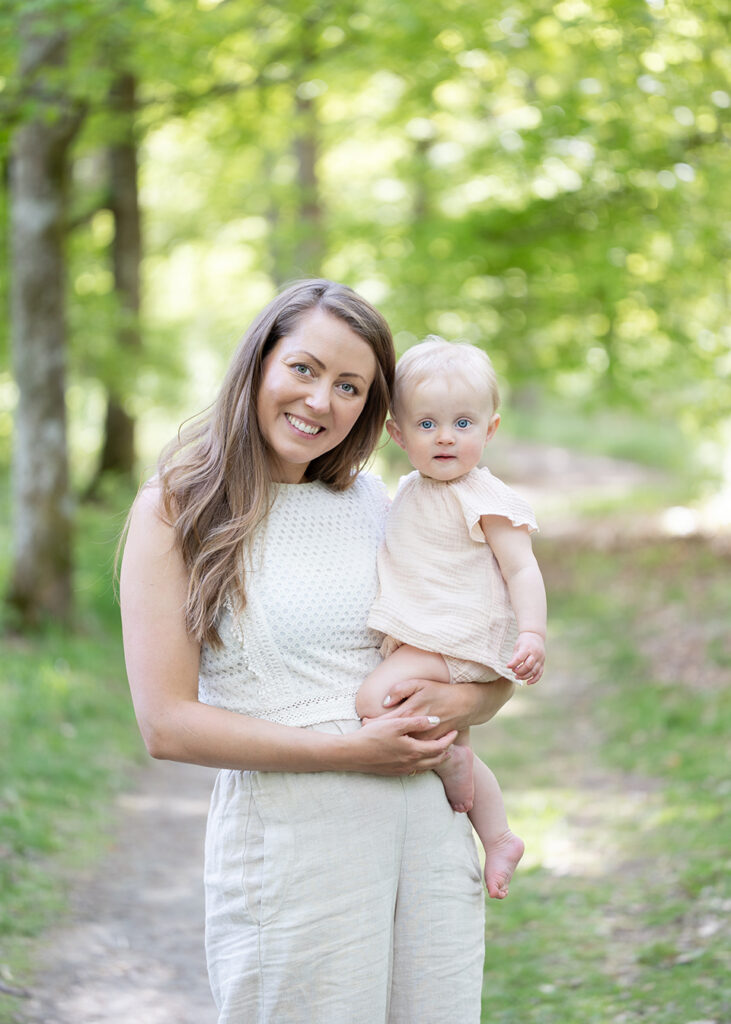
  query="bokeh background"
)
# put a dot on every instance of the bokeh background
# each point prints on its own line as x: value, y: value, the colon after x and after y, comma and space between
x: 547, y: 180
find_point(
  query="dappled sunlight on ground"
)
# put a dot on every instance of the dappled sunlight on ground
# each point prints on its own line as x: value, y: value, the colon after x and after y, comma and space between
x: 517, y: 705
x: 582, y: 832
x: 149, y: 803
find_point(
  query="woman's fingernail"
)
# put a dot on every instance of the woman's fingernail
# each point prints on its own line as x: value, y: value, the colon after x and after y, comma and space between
x: 386, y: 701
x: 433, y: 720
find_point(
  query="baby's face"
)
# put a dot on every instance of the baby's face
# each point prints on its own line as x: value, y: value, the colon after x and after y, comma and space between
x: 443, y: 427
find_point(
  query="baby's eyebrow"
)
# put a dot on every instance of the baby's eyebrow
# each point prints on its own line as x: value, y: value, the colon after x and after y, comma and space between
x: 466, y: 414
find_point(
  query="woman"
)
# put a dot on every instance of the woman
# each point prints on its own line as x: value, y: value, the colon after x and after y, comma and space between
x: 340, y: 885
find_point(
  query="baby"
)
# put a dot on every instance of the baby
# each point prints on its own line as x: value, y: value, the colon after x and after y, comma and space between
x: 461, y: 597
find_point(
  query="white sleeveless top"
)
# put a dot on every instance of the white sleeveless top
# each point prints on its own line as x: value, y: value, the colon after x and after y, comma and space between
x: 301, y: 647
x: 441, y: 588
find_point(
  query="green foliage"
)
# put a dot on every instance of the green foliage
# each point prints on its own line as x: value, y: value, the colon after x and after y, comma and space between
x: 547, y: 180
x: 67, y: 740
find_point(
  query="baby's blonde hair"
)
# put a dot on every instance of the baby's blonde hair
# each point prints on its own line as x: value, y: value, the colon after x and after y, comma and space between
x: 435, y: 356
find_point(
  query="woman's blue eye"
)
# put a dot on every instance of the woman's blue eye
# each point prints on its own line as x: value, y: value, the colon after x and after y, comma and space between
x: 348, y: 388
x: 463, y: 423
x: 300, y: 368
x: 427, y: 424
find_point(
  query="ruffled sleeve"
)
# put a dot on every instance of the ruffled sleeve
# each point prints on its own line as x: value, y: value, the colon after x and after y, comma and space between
x: 482, y: 494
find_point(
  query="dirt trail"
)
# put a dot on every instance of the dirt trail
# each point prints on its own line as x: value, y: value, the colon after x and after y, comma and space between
x: 131, y: 951
x: 132, y: 948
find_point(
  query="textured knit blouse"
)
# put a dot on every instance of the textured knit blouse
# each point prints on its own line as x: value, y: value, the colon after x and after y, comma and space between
x: 441, y: 588
x: 301, y: 647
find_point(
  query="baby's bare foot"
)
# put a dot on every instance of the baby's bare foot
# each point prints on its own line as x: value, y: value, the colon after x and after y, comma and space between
x: 501, y: 858
x: 456, y: 775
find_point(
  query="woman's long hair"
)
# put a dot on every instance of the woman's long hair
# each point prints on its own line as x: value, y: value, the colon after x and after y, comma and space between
x: 214, y: 477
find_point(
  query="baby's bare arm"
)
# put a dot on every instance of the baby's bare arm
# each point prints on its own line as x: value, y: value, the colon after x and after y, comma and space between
x: 514, y: 553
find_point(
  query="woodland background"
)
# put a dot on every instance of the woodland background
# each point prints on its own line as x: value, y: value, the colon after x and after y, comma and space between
x: 548, y: 180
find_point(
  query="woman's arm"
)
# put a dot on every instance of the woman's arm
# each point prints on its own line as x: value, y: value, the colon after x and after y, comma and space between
x: 162, y: 667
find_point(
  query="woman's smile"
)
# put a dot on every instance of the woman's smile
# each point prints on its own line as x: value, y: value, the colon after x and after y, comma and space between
x: 302, y: 427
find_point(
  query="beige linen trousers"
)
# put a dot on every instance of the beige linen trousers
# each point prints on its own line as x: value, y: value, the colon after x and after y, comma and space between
x: 341, y: 899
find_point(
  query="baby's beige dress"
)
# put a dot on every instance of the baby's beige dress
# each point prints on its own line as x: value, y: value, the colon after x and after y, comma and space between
x: 440, y: 586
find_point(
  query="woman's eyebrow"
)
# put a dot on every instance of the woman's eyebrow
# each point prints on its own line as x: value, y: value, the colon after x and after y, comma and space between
x: 304, y: 352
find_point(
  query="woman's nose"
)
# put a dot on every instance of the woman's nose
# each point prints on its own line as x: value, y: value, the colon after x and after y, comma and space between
x: 318, y: 398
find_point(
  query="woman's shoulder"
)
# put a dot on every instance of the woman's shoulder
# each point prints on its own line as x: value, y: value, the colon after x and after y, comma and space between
x: 370, y: 485
x: 148, y: 520
x: 369, y: 489
x: 151, y: 557
x: 149, y: 503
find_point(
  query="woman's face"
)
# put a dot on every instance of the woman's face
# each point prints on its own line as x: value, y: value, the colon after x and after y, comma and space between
x: 313, y: 389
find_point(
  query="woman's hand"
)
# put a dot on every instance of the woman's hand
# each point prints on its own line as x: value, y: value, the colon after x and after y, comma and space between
x: 457, y: 707
x: 389, y: 746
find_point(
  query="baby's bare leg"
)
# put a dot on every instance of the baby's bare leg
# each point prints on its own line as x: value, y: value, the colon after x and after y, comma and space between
x: 405, y: 663
x: 503, y: 849
x: 456, y: 774
x: 408, y: 662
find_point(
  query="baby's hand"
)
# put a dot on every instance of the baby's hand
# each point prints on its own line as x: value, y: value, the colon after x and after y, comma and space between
x: 529, y: 656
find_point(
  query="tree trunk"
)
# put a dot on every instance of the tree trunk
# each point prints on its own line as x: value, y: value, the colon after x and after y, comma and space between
x: 309, y: 240
x: 308, y: 232
x: 42, y: 507
x: 118, y: 450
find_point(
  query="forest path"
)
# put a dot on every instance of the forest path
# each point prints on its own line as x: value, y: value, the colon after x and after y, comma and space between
x: 131, y: 949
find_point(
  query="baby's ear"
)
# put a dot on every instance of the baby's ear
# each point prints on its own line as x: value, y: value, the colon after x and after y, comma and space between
x: 492, y: 426
x: 395, y: 433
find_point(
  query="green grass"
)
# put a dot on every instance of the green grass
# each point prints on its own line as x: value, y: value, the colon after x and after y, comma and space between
x: 67, y: 742
x: 618, y: 779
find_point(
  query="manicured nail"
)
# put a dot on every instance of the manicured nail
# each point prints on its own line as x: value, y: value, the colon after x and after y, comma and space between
x: 433, y: 720
x: 386, y: 701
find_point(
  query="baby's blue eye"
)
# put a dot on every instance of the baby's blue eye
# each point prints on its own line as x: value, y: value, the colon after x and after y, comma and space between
x: 463, y: 423
x: 427, y: 424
